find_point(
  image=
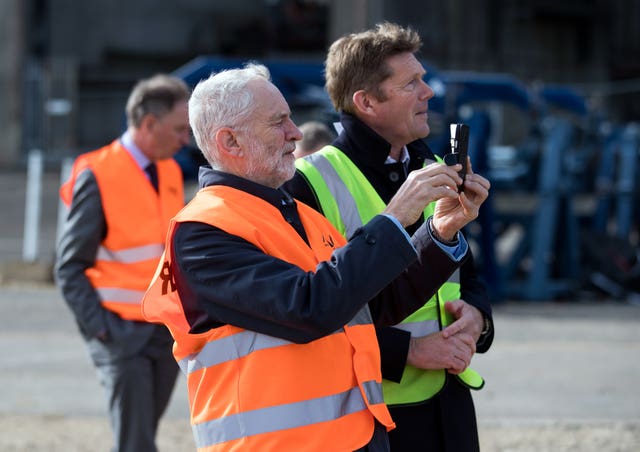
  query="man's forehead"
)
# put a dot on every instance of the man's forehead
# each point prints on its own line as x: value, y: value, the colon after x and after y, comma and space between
x: 405, y: 62
x: 271, y: 102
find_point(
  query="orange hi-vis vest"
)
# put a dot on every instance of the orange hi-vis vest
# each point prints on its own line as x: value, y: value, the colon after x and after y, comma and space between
x: 253, y: 392
x: 137, y: 219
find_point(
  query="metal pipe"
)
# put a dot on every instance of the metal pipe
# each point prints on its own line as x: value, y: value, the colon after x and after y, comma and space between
x: 32, y: 206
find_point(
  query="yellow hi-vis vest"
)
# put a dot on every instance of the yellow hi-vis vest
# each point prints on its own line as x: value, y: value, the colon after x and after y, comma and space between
x: 349, y: 200
x: 137, y: 219
x: 253, y: 392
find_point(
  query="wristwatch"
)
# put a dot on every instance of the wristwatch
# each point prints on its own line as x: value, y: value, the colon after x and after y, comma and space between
x: 486, y: 327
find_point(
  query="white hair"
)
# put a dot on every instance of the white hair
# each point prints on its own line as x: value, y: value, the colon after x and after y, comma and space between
x: 222, y: 100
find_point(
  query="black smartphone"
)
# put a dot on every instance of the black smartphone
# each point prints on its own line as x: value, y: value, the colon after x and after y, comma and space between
x: 459, y: 147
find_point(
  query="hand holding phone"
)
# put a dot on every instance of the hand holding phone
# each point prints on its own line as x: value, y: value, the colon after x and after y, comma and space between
x: 459, y: 146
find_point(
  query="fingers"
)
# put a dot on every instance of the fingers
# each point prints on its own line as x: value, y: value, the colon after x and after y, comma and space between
x: 476, y: 191
x: 455, y: 328
x: 422, y: 187
x: 464, y: 349
x: 433, y: 351
x: 438, y: 174
x: 468, y: 344
x: 458, y: 367
x: 477, y: 184
x: 454, y: 307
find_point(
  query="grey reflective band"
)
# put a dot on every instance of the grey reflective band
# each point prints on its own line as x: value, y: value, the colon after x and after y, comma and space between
x: 420, y: 328
x: 455, y: 277
x: 119, y: 295
x: 276, y: 418
x: 347, y: 205
x: 373, y: 391
x: 131, y: 255
x: 229, y: 348
x: 245, y: 342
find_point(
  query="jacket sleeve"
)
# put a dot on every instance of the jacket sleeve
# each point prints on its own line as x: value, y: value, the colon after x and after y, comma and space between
x: 81, y: 235
x: 474, y: 292
x: 223, y: 279
x: 394, y: 349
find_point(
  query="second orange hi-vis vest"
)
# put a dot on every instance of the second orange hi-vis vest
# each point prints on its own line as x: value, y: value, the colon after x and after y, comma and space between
x: 137, y: 220
x: 253, y: 392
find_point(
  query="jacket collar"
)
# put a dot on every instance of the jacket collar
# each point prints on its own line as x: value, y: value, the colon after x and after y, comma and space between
x: 366, y: 148
x: 207, y: 176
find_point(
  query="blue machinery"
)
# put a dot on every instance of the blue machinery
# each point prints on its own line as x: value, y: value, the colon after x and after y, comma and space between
x: 540, y: 185
x: 545, y: 260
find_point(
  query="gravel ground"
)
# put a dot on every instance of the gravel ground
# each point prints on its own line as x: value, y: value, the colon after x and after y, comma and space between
x: 91, y: 434
x: 560, y: 377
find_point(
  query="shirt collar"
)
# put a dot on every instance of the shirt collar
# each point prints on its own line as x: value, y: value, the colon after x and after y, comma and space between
x: 404, y: 157
x: 127, y: 141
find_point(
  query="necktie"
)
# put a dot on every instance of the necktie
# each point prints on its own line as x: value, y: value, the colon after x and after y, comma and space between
x: 152, y: 171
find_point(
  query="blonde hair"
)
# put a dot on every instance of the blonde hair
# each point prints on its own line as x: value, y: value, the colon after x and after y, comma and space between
x: 358, y: 61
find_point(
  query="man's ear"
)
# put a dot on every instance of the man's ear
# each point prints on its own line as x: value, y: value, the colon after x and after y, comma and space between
x: 148, y: 122
x: 227, y: 141
x: 363, y: 102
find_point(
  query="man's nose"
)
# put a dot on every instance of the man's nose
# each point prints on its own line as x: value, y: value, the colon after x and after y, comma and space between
x: 428, y: 90
x: 295, y: 133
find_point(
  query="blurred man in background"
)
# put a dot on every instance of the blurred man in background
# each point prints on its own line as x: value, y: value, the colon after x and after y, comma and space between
x: 315, y: 135
x: 120, y: 199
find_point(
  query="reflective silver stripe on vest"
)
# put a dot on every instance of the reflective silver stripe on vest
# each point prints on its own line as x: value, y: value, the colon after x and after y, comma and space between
x: 421, y: 328
x: 277, y: 418
x: 373, y: 391
x: 455, y: 277
x: 347, y: 205
x: 243, y: 343
x: 228, y: 349
x: 120, y: 295
x: 131, y: 255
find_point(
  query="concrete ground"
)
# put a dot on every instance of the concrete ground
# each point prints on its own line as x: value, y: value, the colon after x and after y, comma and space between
x: 559, y: 377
